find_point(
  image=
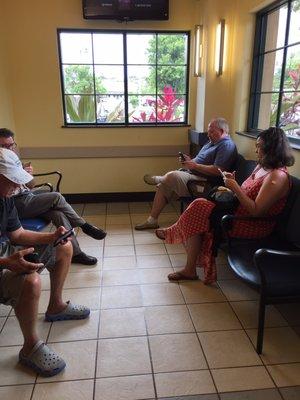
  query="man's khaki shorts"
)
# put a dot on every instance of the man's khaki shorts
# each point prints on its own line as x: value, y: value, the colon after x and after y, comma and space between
x: 10, y: 282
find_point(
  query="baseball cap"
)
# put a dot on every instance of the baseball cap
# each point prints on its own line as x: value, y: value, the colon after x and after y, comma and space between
x: 11, y: 167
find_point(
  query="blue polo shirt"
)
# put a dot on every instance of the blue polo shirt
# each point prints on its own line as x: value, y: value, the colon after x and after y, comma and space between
x: 221, y: 154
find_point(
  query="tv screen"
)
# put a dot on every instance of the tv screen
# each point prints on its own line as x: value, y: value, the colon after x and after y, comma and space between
x: 126, y: 10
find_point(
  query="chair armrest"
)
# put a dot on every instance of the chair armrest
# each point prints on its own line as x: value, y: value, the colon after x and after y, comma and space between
x: 41, y: 185
x: 278, y: 267
x: 228, y: 219
x: 59, y: 178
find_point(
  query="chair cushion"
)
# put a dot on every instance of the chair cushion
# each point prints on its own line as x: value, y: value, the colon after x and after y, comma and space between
x: 34, y: 224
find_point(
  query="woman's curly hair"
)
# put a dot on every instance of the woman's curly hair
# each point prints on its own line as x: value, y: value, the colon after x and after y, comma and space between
x: 277, y: 152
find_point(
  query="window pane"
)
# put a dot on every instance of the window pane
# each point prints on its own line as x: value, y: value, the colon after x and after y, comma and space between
x: 272, y: 71
x: 275, y: 35
x: 110, y: 109
x: 173, y: 77
x: 292, y: 69
x: 80, y: 109
x: 78, y: 79
x: 141, y: 80
x: 172, y: 49
x: 170, y: 108
x: 109, y: 79
x: 294, y: 34
x: 167, y: 108
x: 141, y: 49
x: 290, y: 112
x: 108, y: 48
x: 141, y: 109
x: 267, y: 110
x: 76, y: 48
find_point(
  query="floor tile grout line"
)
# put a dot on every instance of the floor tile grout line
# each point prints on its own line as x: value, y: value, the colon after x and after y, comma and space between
x: 252, y: 344
x: 202, y: 349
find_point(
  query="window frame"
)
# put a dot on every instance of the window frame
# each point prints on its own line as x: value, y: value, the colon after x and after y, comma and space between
x: 126, y: 123
x: 258, y: 65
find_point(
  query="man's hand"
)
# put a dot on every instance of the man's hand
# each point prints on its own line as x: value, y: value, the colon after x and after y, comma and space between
x: 186, y: 158
x: 17, y: 264
x: 190, y: 164
x: 58, y: 233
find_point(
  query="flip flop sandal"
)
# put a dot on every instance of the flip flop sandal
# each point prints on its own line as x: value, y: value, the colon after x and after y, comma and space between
x: 178, y: 276
x: 159, y: 232
x: 72, y: 311
x: 43, y: 360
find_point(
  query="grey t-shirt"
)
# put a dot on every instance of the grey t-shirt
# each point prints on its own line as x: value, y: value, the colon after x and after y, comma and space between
x: 9, y: 220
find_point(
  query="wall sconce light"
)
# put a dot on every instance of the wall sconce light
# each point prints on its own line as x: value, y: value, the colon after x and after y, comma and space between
x: 198, y: 56
x: 219, y: 50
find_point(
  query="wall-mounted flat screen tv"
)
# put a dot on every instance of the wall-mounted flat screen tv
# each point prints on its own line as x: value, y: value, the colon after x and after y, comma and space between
x: 126, y: 10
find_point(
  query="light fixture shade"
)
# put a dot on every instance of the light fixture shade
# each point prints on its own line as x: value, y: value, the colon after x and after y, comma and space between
x: 219, y: 50
x: 198, y: 54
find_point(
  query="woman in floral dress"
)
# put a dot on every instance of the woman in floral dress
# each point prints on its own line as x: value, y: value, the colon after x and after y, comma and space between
x: 263, y: 193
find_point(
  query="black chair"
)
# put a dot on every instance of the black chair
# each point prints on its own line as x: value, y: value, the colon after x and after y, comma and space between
x: 49, y: 186
x: 38, y: 224
x: 270, y: 265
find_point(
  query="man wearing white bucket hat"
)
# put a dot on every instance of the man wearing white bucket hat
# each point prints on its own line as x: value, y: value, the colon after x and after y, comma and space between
x: 20, y: 284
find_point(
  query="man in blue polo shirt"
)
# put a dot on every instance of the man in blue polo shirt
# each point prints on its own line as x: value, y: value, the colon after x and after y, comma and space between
x: 219, y: 153
x: 20, y: 284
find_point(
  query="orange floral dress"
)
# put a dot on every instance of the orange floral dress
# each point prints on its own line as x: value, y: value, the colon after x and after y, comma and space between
x: 196, y: 221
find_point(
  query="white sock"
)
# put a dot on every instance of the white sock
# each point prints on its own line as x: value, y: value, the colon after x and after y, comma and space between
x: 152, y: 220
x: 158, y: 178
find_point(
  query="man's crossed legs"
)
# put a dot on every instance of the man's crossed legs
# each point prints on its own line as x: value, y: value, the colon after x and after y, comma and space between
x: 170, y: 186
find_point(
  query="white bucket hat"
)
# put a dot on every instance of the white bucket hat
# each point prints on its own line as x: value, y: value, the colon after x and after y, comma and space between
x: 11, y: 167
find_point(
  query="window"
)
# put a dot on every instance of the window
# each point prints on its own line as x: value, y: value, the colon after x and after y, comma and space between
x: 124, y: 78
x: 275, y: 88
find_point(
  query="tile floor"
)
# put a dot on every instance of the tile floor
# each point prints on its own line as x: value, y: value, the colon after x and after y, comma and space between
x: 147, y: 338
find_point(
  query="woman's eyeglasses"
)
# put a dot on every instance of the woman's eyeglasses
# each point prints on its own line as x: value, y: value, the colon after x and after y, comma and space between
x: 10, y: 146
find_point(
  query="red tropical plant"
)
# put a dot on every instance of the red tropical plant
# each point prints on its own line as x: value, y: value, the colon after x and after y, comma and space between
x: 165, y: 107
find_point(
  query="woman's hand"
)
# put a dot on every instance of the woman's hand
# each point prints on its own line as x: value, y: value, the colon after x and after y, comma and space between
x: 229, y: 181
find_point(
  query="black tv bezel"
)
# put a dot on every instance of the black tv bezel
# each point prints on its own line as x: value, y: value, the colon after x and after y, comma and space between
x: 129, y: 16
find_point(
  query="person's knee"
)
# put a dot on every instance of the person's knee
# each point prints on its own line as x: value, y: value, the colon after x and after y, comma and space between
x: 171, y: 178
x: 32, y: 285
x: 57, y: 198
x: 64, y: 251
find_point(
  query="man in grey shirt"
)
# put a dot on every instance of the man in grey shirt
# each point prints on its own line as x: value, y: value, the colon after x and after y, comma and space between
x: 219, y: 153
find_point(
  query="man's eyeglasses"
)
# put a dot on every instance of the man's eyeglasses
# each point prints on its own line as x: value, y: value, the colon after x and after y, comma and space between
x: 10, y: 146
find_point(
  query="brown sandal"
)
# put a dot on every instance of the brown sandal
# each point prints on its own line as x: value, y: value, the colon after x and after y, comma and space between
x: 179, y: 276
x: 160, y: 233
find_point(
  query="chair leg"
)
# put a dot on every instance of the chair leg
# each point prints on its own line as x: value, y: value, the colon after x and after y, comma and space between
x: 261, y: 324
x: 181, y: 207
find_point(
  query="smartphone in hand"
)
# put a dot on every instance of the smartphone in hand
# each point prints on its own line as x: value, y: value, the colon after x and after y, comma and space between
x: 63, y: 237
x: 181, y: 156
x: 32, y: 258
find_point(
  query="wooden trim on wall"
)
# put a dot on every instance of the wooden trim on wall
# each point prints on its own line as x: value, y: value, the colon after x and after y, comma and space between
x: 103, y: 151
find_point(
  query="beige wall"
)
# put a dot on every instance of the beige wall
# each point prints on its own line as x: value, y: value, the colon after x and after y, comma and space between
x: 30, y: 97
x: 34, y: 85
x: 6, y: 112
x: 228, y: 95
